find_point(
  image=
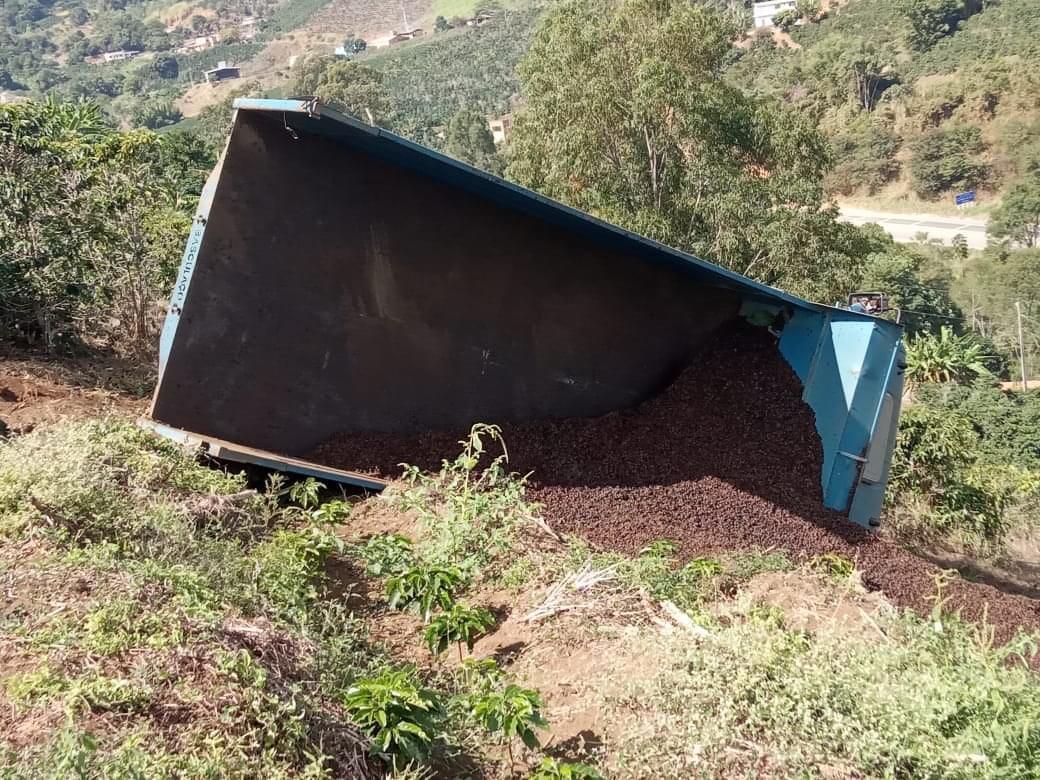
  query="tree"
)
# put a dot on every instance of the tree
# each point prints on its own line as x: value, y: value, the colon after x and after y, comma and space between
x: 91, y: 230
x: 898, y: 273
x: 440, y: 24
x: 786, y: 19
x: 165, y: 66
x: 469, y: 139
x: 946, y: 159
x: 945, y: 357
x: 628, y: 117
x: 1017, y: 219
x: 932, y: 20
x: 354, y: 46
x: 809, y: 10
x: 844, y: 67
x: 155, y: 114
x: 346, y: 85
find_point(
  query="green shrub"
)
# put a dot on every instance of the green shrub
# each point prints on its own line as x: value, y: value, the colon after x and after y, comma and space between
x: 513, y: 712
x: 400, y: 716
x: 424, y: 588
x: 469, y: 514
x: 461, y: 624
x: 933, y: 459
x: 1007, y: 424
x: 386, y: 554
x: 947, y: 159
x: 551, y: 769
x: 945, y: 357
x: 290, y: 569
x: 926, y: 698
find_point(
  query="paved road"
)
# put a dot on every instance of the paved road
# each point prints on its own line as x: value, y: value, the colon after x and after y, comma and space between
x: 908, y: 227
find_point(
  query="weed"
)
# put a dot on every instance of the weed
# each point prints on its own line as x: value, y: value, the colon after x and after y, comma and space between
x: 290, y: 569
x: 92, y: 691
x: 769, y: 616
x: 518, y: 574
x: 931, y: 699
x: 398, y: 714
x: 745, y: 565
x: 386, y: 554
x: 424, y: 588
x: 662, y: 548
x: 331, y: 512
x: 551, y: 769
x: 461, y: 624
x: 833, y: 565
x: 117, y: 626
x: 306, y: 493
x: 469, y: 515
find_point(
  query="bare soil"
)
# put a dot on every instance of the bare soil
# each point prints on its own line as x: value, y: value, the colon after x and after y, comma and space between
x: 38, y: 389
x: 726, y: 458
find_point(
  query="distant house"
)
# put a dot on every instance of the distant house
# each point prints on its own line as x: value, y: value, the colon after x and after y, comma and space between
x: 501, y: 127
x: 115, y: 56
x: 222, y: 72
x: 400, y: 37
x: 247, y: 28
x: 200, y: 43
x: 765, y: 11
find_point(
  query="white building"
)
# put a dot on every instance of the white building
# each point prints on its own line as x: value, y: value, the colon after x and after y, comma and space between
x: 764, y: 12
x: 118, y: 56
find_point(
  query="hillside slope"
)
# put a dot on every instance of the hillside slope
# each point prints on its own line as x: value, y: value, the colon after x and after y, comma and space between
x: 957, y: 110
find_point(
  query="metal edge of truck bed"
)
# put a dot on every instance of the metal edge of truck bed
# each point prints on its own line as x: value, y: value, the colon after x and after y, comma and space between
x: 237, y: 453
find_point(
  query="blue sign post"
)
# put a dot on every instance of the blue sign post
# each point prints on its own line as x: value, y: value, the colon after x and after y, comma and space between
x: 963, y: 199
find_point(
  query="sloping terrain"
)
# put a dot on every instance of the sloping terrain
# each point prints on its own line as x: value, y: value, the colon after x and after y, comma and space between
x: 727, y: 458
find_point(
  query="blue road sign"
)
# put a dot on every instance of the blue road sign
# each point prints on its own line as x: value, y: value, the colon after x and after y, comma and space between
x: 963, y: 198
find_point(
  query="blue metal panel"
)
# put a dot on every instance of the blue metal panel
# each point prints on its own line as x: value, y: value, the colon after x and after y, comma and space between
x: 846, y: 361
x: 187, y: 269
x: 847, y: 365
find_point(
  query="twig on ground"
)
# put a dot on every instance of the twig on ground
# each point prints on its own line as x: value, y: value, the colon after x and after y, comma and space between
x: 559, y: 597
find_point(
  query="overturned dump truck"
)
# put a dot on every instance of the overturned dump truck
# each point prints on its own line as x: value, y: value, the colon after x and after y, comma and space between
x: 340, y: 281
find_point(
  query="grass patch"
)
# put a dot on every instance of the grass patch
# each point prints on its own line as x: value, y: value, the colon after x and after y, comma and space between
x: 188, y: 599
x: 932, y: 698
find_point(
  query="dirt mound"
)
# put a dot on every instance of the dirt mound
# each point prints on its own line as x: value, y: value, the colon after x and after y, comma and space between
x: 726, y: 458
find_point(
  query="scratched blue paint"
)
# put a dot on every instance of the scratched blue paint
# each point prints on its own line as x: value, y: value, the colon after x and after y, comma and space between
x: 846, y: 361
x: 847, y: 364
x: 187, y: 267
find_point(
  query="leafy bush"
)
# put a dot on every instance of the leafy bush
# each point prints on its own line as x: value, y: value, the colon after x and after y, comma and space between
x: 945, y: 357
x: 91, y: 229
x: 865, y: 156
x: 461, y: 624
x: 934, y: 698
x: 290, y: 569
x: 400, y: 715
x: 424, y: 588
x: 386, y: 554
x: 934, y: 453
x: 947, y: 159
x: 551, y: 769
x: 468, y: 514
x: 512, y: 712
x: 1008, y: 424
